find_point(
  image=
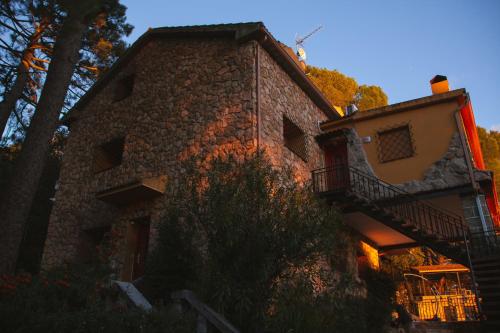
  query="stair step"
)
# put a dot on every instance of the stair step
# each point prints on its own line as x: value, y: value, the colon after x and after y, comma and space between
x: 488, y: 285
x: 488, y: 305
x: 485, y: 266
x: 489, y: 259
x: 488, y: 272
x: 482, y: 278
x: 489, y: 295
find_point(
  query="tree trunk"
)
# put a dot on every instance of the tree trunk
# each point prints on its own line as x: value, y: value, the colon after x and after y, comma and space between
x: 14, y: 94
x: 10, y: 98
x: 19, y: 194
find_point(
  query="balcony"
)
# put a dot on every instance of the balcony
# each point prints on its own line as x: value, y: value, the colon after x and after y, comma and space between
x: 138, y: 190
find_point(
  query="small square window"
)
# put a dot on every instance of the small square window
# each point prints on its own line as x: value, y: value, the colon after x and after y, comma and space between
x: 124, y: 87
x: 108, y: 155
x: 395, y: 144
x: 294, y: 138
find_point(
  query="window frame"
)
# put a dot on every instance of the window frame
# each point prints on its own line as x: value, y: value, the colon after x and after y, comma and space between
x: 105, y: 149
x: 300, y: 134
x: 394, y: 128
x: 123, y: 87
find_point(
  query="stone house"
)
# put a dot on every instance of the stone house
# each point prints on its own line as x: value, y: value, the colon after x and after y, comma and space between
x: 412, y: 174
x: 204, y: 91
x: 408, y: 174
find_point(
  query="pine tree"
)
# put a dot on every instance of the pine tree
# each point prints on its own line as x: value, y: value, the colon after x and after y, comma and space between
x: 19, y: 194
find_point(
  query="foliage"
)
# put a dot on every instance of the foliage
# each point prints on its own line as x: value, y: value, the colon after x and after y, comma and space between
x: 370, y: 97
x: 258, y: 248
x: 28, y: 31
x: 300, y: 307
x: 73, y: 299
x: 235, y: 231
x: 342, y: 90
x: 490, y: 145
x: 337, y: 87
x: 402, y: 263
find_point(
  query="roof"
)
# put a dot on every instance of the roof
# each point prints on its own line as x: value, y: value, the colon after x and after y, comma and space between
x: 398, y: 107
x: 440, y: 268
x: 241, y: 32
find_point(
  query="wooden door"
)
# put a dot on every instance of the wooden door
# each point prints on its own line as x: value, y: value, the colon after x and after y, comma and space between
x: 336, y: 165
x: 137, y: 249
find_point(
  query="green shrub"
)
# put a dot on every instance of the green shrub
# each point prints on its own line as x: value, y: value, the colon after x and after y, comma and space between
x: 73, y: 300
x: 232, y: 233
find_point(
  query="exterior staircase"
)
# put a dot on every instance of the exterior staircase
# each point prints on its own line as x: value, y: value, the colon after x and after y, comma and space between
x: 485, y: 250
x: 446, y: 233
x: 354, y: 190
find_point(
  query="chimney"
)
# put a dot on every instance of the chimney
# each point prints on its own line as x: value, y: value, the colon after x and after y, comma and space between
x: 439, y: 84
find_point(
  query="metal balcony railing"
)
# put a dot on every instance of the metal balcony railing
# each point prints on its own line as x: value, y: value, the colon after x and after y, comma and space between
x: 342, y: 179
x: 485, y: 243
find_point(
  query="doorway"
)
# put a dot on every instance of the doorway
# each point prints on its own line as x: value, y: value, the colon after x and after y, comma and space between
x: 336, y: 162
x: 137, y: 248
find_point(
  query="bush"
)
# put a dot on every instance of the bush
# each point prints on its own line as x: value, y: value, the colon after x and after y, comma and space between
x: 73, y: 300
x: 233, y: 233
x: 300, y: 307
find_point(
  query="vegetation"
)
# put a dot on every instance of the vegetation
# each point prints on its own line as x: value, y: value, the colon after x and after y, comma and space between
x: 258, y: 248
x: 79, y: 18
x: 36, y: 227
x: 29, y: 30
x: 75, y: 299
x: 490, y: 145
x: 250, y: 241
x: 343, y: 90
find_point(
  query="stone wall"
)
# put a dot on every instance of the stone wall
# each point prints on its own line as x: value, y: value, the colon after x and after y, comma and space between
x: 356, y: 154
x: 191, y: 97
x: 280, y: 96
x: 448, y: 172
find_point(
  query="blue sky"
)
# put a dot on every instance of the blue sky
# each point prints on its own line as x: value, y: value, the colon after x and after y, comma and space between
x: 398, y: 45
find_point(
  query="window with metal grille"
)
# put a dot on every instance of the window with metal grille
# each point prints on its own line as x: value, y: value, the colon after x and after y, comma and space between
x: 395, y: 144
x: 108, y: 155
x: 294, y: 138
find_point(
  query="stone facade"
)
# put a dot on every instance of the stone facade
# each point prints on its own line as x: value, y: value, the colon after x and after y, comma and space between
x: 448, y: 172
x: 195, y: 97
x: 280, y: 97
x: 190, y: 97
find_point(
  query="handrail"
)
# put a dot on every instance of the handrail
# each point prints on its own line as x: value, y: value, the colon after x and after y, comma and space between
x: 422, y: 215
x: 205, y: 313
x: 485, y: 243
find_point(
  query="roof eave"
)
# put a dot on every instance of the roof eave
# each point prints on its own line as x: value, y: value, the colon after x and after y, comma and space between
x: 245, y: 32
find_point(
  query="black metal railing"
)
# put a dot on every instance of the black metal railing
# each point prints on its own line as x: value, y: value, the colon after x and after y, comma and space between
x: 485, y: 243
x: 434, y: 222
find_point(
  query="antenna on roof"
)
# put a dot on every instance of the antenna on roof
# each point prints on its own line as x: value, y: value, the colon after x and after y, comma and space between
x: 299, y: 43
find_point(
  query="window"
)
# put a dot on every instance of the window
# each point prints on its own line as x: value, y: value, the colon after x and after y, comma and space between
x: 395, y: 144
x: 472, y: 214
x: 294, y: 138
x: 89, y: 242
x: 108, y: 155
x: 124, y: 88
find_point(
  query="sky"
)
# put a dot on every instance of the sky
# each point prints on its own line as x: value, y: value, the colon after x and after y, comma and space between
x: 398, y: 45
